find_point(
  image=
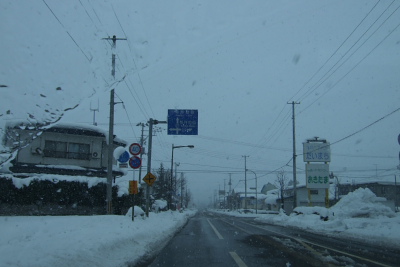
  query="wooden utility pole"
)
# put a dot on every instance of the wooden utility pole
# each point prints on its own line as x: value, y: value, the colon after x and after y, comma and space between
x: 111, y: 132
x: 294, y: 156
x: 110, y: 154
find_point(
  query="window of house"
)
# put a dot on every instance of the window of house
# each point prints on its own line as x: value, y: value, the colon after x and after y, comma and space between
x: 383, y: 190
x: 78, y: 151
x: 55, y: 149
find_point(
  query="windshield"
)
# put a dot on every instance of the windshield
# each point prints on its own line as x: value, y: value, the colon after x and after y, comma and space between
x: 199, y: 120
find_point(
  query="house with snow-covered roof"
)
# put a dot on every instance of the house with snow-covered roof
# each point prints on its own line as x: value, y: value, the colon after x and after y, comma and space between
x: 70, y: 149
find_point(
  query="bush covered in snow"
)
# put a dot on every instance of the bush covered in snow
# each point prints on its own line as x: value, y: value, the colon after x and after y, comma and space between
x: 137, y: 212
x: 159, y: 205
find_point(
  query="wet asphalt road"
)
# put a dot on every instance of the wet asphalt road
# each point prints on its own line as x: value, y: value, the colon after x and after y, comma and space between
x: 211, y: 239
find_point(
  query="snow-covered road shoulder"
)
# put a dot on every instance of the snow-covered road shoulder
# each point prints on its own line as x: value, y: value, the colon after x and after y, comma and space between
x: 107, y: 240
x: 359, y: 215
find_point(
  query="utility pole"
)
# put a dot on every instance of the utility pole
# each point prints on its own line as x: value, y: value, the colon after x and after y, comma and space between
x: 245, y: 181
x: 110, y: 154
x: 224, y: 195
x: 151, y: 122
x: 230, y: 191
x: 294, y: 155
x: 111, y: 132
x: 114, y: 45
x: 141, y: 144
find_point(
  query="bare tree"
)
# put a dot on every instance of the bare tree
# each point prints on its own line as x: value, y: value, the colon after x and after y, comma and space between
x: 281, y: 182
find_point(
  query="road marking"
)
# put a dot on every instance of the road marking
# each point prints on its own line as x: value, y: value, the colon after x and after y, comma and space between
x: 237, y: 259
x: 215, y: 230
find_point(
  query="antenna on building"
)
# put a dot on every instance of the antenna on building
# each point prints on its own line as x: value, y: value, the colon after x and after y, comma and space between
x: 94, y: 111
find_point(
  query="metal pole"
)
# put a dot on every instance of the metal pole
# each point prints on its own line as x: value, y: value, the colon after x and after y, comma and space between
x: 175, y: 190
x: 133, y: 199
x: 224, y: 195
x: 110, y: 154
x: 172, y: 175
x: 149, y: 164
x: 181, y: 190
x: 245, y: 181
x: 256, y: 194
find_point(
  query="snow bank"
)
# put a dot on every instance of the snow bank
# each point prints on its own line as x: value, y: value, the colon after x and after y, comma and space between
x: 361, y: 203
x: 359, y: 215
x: 108, y: 240
x: 159, y: 204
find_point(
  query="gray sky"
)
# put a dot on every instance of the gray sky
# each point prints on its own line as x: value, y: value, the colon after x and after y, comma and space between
x: 237, y: 63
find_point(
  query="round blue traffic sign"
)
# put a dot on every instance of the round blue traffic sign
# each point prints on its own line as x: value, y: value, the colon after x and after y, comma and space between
x: 124, y: 157
x: 135, y: 162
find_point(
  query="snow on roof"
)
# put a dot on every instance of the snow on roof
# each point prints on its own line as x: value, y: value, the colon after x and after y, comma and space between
x: 67, y: 128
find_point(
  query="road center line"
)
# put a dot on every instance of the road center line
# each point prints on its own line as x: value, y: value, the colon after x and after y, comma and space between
x: 215, y: 230
x: 237, y: 259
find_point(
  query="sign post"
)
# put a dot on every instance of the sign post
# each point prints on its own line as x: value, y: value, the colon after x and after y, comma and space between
x: 317, y: 174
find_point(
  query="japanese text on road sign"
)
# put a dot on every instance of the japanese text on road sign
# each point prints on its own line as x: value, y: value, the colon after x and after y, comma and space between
x: 182, y: 122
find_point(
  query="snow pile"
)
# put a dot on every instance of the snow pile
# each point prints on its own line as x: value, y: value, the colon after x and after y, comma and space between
x: 107, y: 240
x: 360, y: 215
x: 137, y: 212
x: 159, y: 204
x: 321, y: 211
x: 362, y: 203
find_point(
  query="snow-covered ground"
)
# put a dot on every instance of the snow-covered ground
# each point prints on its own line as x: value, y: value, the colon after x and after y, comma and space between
x: 108, y: 240
x: 359, y: 215
x: 112, y: 240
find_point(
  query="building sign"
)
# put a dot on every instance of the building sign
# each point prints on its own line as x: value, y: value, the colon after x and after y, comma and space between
x: 183, y: 122
x: 316, y: 152
x: 317, y: 175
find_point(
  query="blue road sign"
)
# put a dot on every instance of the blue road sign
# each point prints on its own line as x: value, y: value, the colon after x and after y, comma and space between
x: 124, y: 157
x: 183, y: 122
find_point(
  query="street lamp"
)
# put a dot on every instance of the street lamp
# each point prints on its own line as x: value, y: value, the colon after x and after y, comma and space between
x: 172, y: 166
x: 256, y: 190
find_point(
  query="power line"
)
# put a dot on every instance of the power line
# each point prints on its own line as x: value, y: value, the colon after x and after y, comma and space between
x: 334, y: 53
x: 357, y: 64
x: 366, y: 127
x: 326, y: 76
x: 134, y: 62
x: 88, y: 59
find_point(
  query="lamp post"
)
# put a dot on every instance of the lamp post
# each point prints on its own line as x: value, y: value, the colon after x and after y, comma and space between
x: 256, y: 191
x: 172, y: 166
